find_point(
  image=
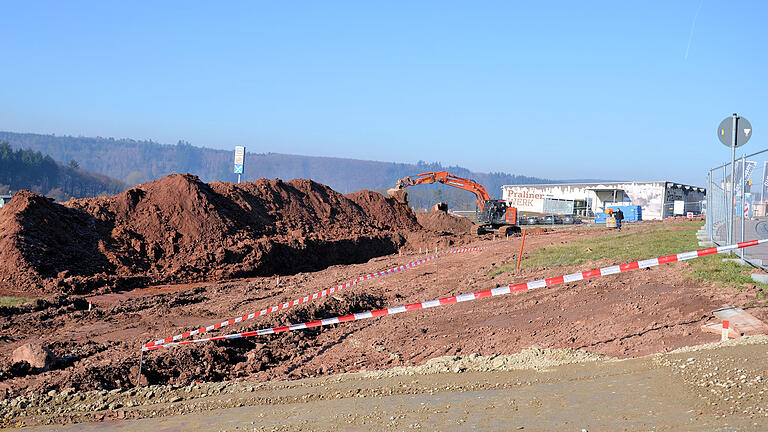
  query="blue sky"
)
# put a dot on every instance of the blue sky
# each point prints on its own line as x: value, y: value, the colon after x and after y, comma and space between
x: 549, y: 89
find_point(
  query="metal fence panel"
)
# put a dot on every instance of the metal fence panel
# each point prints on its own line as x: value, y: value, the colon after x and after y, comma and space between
x: 748, y: 205
x: 558, y: 206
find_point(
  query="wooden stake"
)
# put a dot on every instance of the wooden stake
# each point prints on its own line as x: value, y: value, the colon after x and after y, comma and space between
x: 520, y: 256
x: 724, y: 334
x: 138, y: 378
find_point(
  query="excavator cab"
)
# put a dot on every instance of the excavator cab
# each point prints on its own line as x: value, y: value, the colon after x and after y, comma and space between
x: 496, y: 215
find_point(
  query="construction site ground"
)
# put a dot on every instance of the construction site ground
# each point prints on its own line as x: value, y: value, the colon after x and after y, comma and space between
x: 583, y: 355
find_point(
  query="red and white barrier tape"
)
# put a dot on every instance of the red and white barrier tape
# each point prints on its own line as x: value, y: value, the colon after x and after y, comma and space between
x: 526, y: 286
x: 308, y: 298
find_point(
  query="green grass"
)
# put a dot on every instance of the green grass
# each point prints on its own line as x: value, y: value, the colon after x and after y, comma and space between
x: 13, y: 301
x: 647, y: 242
x: 728, y: 273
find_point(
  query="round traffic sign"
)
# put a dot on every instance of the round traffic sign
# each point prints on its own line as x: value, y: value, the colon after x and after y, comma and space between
x: 743, y: 131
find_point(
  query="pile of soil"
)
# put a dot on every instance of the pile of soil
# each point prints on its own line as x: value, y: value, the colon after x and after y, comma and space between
x: 179, y: 229
x: 389, y: 213
x: 443, y: 222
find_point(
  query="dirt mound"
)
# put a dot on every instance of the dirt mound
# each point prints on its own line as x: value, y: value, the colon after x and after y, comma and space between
x: 538, y: 230
x: 181, y: 229
x: 390, y: 213
x: 39, y: 239
x: 442, y: 222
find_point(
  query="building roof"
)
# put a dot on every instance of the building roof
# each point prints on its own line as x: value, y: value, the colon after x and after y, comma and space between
x: 674, y: 184
x: 588, y: 184
x: 604, y: 189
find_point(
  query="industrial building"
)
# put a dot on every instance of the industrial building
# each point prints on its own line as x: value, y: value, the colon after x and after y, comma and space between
x: 658, y: 200
x: 4, y: 199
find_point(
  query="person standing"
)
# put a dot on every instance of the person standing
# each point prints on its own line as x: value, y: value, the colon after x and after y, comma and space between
x: 619, y: 215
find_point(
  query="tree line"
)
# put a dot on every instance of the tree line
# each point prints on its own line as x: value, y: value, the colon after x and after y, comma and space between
x: 137, y: 161
x: 40, y: 173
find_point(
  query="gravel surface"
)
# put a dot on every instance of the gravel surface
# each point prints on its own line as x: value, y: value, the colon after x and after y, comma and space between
x: 717, y: 387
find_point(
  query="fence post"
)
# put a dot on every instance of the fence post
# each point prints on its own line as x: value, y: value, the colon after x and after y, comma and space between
x: 726, y: 193
x: 707, y: 197
x: 743, y: 199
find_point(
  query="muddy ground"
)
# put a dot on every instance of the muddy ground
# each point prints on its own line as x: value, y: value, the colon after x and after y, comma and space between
x: 715, y: 387
x: 623, y: 316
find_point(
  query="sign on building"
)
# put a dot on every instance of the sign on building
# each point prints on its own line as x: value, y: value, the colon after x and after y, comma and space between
x: 526, y: 201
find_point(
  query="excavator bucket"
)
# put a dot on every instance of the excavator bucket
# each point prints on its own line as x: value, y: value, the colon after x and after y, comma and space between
x: 440, y: 207
x: 399, y: 194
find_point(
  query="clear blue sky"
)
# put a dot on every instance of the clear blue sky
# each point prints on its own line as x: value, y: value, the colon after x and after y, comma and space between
x: 551, y: 89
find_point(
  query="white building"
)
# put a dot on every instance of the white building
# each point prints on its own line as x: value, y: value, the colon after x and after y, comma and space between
x: 658, y: 199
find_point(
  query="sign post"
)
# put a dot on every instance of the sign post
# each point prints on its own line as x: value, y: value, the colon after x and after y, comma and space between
x: 734, y: 131
x: 239, y: 161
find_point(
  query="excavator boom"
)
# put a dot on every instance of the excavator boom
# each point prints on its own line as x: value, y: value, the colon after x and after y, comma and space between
x: 449, y: 179
x: 492, y: 214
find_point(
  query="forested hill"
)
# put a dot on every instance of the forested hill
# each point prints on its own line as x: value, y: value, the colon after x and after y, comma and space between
x: 28, y: 169
x: 138, y: 161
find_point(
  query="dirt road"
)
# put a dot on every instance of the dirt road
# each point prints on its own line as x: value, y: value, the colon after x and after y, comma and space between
x: 717, y: 388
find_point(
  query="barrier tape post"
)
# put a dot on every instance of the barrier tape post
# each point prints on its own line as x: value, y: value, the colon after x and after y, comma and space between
x: 499, y: 291
x: 520, y: 255
x: 724, y: 332
x: 141, y: 360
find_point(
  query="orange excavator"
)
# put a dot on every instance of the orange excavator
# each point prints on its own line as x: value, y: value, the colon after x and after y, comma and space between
x: 492, y: 215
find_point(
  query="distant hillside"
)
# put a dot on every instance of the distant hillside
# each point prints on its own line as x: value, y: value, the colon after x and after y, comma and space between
x: 28, y: 169
x: 138, y: 161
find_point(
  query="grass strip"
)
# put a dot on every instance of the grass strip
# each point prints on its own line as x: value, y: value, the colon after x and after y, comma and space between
x: 646, y: 242
x: 13, y: 301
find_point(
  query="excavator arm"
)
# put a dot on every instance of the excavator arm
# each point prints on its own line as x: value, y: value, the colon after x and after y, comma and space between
x: 492, y: 214
x: 449, y: 179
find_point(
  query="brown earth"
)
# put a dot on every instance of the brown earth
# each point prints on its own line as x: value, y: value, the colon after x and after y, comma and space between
x: 624, y: 315
x: 179, y: 229
x: 442, y: 222
x: 717, y: 386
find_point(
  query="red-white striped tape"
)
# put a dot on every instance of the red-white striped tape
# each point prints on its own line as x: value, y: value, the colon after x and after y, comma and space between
x: 311, y: 297
x: 526, y: 286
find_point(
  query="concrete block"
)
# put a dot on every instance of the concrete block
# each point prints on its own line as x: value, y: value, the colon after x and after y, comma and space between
x: 760, y: 277
x: 706, y: 243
